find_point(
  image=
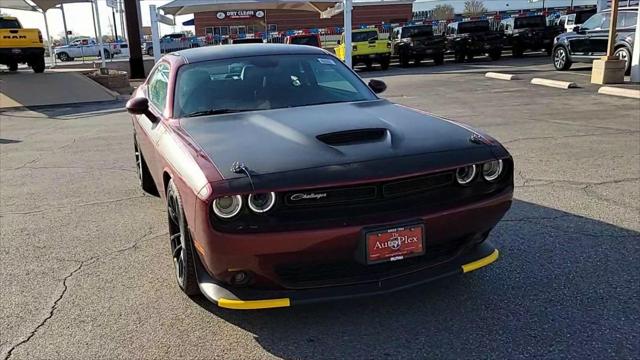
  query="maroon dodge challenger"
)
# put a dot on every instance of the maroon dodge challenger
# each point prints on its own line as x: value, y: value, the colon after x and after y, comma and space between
x: 288, y: 180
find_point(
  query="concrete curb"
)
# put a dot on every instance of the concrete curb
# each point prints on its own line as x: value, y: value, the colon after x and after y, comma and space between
x: 501, y: 76
x: 554, y: 83
x: 616, y: 91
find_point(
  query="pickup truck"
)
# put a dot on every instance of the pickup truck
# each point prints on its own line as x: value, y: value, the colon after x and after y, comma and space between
x: 416, y: 42
x: 172, y: 42
x: 84, y: 47
x: 474, y: 37
x: 18, y: 45
x: 367, y: 48
x: 528, y: 33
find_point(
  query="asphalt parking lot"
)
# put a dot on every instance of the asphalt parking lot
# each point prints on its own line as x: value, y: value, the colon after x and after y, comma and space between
x: 86, y: 269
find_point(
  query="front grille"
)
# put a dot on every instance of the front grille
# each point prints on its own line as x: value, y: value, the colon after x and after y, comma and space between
x: 416, y: 185
x: 351, y: 271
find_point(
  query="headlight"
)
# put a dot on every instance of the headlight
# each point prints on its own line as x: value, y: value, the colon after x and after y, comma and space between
x: 227, y: 206
x: 492, y: 170
x: 261, y: 203
x: 465, y: 175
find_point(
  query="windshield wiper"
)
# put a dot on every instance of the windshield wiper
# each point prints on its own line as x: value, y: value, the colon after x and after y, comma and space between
x: 215, y: 112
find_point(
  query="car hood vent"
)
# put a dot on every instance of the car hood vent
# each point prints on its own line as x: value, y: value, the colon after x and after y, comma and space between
x: 350, y: 137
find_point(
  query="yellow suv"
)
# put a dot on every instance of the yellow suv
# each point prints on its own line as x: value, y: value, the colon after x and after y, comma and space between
x: 18, y: 45
x: 367, y: 49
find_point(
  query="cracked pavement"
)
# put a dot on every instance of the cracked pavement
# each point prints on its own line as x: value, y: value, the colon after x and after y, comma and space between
x: 86, y: 270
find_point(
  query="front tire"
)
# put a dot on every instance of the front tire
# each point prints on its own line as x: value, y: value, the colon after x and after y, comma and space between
x: 144, y: 175
x: 63, y: 56
x: 438, y: 59
x: 459, y: 56
x: 495, y: 55
x: 561, y: 60
x: 404, y: 59
x: 624, y: 54
x: 181, y: 243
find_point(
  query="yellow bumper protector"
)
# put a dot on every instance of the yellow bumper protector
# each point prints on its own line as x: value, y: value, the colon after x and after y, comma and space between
x: 475, y: 265
x: 253, y: 304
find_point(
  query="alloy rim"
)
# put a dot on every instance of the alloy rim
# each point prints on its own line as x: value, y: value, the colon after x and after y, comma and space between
x: 560, y: 58
x: 138, y: 164
x: 622, y: 55
x: 176, y: 236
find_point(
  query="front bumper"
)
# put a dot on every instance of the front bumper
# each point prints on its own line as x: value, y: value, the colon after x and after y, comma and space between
x: 371, y: 57
x: 248, y: 299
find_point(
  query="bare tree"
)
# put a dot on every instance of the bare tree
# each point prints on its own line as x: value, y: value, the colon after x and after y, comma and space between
x: 443, y: 12
x: 474, y: 8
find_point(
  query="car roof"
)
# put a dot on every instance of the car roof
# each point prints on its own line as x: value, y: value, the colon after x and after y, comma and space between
x: 243, y: 50
x: 626, y: 8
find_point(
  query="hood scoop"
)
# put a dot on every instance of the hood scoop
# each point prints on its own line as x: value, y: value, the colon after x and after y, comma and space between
x: 351, y: 137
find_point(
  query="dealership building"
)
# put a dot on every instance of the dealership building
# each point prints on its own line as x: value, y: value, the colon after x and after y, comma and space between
x: 241, y: 23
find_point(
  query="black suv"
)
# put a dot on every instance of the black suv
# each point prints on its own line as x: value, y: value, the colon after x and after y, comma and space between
x: 589, y: 41
x: 528, y: 33
x: 471, y: 38
x: 416, y: 42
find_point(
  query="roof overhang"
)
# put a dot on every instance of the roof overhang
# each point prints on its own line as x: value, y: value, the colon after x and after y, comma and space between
x: 184, y: 7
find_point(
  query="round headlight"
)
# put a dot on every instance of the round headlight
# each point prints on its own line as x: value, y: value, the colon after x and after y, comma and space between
x: 466, y: 174
x: 227, y: 206
x: 492, y: 170
x: 263, y: 202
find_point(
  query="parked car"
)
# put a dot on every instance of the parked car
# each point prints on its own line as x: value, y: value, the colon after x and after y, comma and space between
x: 84, y: 47
x: 287, y: 180
x: 589, y: 41
x: 248, y: 41
x: 472, y: 38
x: 417, y: 42
x: 569, y: 21
x: 367, y: 48
x: 19, y: 45
x: 173, y: 42
x: 524, y: 33
x: 304, y: 39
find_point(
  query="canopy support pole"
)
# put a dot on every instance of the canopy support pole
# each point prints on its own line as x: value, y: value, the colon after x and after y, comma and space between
x: 64, y: 23
x: 103, y: 67
x: 136, y: 63
x: 155, y: 35
x: 635, y: 57
x: 46, y: 28
x: 347, y: 33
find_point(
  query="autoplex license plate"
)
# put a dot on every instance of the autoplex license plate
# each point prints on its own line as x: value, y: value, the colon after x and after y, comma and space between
x: 395, y: 243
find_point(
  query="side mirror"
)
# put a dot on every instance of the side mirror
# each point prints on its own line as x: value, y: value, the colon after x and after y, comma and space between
x: 140, y: 106
x: 377, y: 86
x: 576, y: 29
x: 339, y: 42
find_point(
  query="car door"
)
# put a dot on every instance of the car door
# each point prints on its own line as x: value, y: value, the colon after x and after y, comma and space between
x: 598, y: 38
x: 579, y: 42
x: 156, y: 91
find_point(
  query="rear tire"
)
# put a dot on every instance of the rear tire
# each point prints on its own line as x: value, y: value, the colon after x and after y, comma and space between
x: 561, y: 60
x: 459, y: 56
x: 404, y: 59
x: 384, y: 63
x: 623, y: 53
x: 368, y: 64
x: 469, y: 57
x: 438, y: 59
x: 38, y: 65
x: 495, y: 55
x: 181, y: 243
x: 516, y: 52
x: 13, y: 66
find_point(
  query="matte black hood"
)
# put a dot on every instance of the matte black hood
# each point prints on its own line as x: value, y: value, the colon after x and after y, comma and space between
x: 284, y: 140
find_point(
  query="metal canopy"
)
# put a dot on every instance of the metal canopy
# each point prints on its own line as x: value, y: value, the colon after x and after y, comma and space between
x: 43, y: 5
x: 184, y: 7
x: 17, y: 5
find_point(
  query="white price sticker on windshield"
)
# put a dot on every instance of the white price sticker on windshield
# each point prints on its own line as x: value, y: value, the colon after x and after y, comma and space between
x: 326, y: 61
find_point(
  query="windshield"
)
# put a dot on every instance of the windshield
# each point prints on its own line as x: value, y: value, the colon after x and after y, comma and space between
x: 473, y: 27
x: 265, y: 82
x: 9, y: 24
x: 305, y: 40
x: 364, y: 36
x: 530, y: 22
x: 414, y: 31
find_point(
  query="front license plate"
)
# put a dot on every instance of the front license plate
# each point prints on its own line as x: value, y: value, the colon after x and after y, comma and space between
x: 395, y: 243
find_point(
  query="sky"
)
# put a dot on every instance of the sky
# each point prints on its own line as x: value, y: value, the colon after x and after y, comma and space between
x: 79, y: 18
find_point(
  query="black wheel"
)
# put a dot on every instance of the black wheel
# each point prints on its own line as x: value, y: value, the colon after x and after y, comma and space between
x: 368, y: 64
x: 38, y: 65
x: 63, y: 56
x: 150, y: 51
x: 438, y: 59
x: 180, y: 241
x: 384, y: 63
x: 404, y: 59
x: 459, y: 56
x: 517, y: 52
x: 144, y: 176
x: 13, y: 66
x: 107, y: 54
x: 561, y: 60
x: 495, y: 55
x: 469, y: 57
x: 623, y: 53
x: 417, y: 61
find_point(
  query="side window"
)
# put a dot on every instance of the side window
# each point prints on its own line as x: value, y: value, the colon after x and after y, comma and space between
x: 627, y: 19
x: 327, y: 75
x: 158, y: 87
x: 594, y: 22
x: 561, y: 22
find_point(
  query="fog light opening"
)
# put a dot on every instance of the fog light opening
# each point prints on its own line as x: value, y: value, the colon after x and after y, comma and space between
x: 240, y: 278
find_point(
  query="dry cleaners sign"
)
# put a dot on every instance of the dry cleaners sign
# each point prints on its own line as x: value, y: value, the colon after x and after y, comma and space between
x: 239, y: 14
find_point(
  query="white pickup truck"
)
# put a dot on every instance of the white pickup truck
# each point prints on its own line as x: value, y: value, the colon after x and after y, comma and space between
x: 80, y: 48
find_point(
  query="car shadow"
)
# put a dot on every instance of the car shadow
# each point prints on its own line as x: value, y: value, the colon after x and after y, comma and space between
x: 564, y: 286
x: 68, y: 111
x: 9, y: 141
